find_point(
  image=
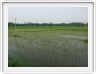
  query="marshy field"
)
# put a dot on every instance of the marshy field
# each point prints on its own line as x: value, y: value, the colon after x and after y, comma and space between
x: 48, y: 46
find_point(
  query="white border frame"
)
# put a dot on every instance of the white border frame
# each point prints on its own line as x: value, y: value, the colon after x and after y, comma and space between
x: 0, y: 36
x: 95, y: 36
x: 7, y: 69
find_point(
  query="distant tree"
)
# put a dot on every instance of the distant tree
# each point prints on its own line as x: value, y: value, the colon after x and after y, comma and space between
x: 11, y: 24
x: 48, y: 24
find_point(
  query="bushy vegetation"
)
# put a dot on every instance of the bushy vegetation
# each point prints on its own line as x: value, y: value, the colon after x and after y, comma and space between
x: 48, y: 46
x: 48, y: 24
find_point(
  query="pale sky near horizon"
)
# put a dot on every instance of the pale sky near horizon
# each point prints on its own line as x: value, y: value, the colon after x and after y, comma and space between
x: 48, y: 14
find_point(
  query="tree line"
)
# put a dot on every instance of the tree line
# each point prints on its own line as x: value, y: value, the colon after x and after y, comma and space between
x: 47, y: 24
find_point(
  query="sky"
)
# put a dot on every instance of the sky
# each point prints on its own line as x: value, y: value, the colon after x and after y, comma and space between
x: 48, y: 14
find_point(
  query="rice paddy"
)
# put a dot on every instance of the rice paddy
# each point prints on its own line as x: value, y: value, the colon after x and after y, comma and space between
x: 48, y: 46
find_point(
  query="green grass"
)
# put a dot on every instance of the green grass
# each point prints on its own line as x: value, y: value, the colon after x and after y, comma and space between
x: 48, y: 46
x: 52, y: 28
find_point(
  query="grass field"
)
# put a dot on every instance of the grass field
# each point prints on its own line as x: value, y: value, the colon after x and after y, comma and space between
x: 48, y: 46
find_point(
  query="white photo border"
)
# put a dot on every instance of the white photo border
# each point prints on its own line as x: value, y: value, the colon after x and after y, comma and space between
x: 0, y: 38
x: 48, y: 69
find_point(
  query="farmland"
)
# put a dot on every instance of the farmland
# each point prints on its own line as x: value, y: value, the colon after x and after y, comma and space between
x: 48, y: 46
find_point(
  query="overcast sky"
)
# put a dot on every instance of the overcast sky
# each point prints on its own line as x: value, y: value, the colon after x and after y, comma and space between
x: 48, y: 14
